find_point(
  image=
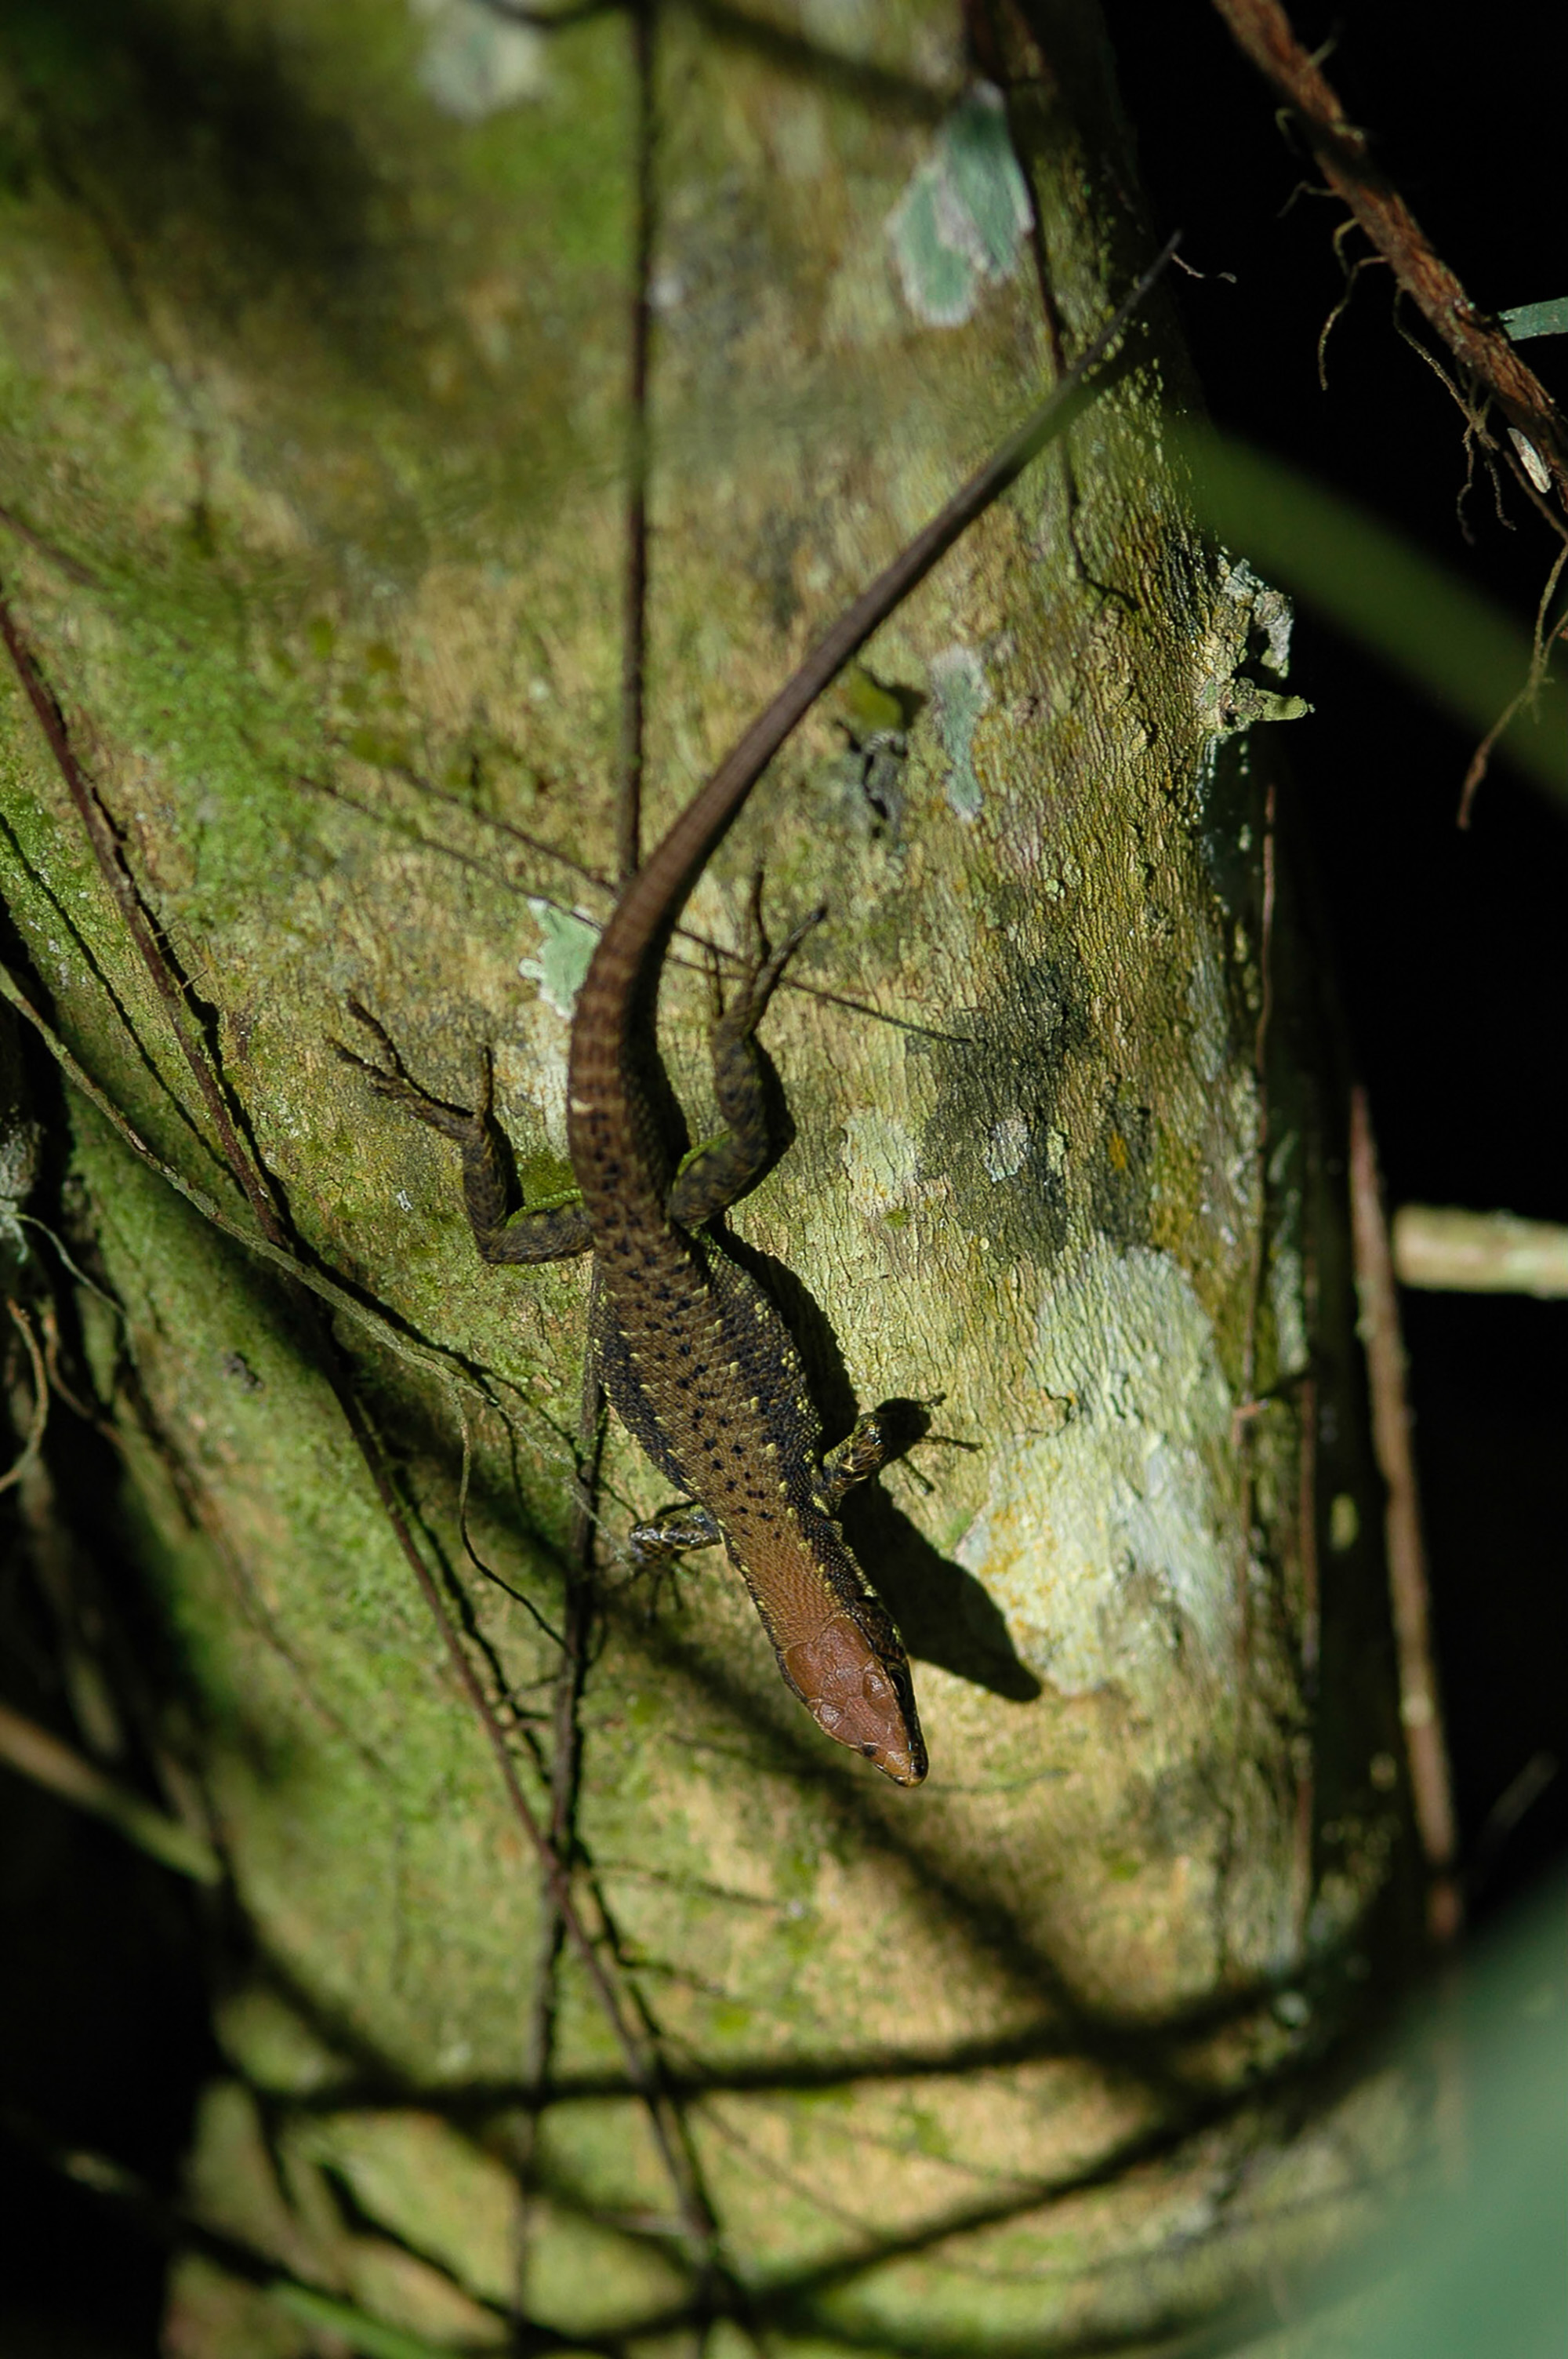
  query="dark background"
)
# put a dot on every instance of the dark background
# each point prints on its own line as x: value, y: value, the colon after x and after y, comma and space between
x: 1452, y: 948
x: 1450, y: 951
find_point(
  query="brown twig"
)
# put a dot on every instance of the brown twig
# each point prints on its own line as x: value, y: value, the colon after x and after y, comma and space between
x: 1248, y: 1405
x: 1421, y: 1709
x: 634, y: 601
x: 704, y: 942
x: 1541, y: 644
x: 566, y: 1770
x: 565, y: 1756
x: 429, y: 791
x: 48, y: 1319
x: 642, y: 2057
x: 1304, y: 1744
x: 433, y: 1359
x: 487, y: 1571
x: 1343, y: 153
x: 1306, y: 1506
x: 1304, y: 1747
x: 138, y: 921
x: 40, y: 1416
x: 1479, y: 1253
x: 38, y: 1754
x: 643, y: 2071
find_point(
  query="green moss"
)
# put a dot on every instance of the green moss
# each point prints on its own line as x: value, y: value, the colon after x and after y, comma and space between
x: 335, y: 423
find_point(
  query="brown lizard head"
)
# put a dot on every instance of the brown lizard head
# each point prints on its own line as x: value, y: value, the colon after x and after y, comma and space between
x: 860, y: 1696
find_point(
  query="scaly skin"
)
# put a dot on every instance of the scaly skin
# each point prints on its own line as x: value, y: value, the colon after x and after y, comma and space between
x: 703, y: 1371
x: 692, y: 1353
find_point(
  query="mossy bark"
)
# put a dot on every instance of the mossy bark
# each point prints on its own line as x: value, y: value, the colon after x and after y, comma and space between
x: 315, y: 382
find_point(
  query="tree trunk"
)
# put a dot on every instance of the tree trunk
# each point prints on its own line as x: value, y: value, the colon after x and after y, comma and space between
x: 318, y: 476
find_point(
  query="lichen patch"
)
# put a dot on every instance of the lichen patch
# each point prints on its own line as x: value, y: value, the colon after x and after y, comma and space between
x: 1101, y: 1538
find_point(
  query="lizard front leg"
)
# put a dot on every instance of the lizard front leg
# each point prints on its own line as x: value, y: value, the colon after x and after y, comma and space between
x: 672, y: 1534
x: 863, y: 1451
x: 657, y: 1546
x: 550, y: 1232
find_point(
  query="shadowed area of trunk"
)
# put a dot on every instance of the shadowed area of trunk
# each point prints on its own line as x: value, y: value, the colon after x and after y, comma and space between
x: 571, y: 1990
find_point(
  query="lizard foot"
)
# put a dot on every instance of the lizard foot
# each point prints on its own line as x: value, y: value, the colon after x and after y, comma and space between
x: 657, y: 1547
x: 390, y: 1078
x: 766, y: 965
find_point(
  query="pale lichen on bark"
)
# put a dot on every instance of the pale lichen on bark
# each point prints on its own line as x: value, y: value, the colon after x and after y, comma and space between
x: 337, y: 435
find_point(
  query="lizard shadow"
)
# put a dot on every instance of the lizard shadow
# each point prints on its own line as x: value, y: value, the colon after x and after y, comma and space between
x: 945, y: 1615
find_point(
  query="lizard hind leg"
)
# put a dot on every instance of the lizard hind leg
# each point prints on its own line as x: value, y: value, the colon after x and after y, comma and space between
x: 721, y: 1171
x: 390, y: 1078
x: 863, y: 1452
x: 878, y: 1437
x: 766, y: 964
x: 552, y: 1232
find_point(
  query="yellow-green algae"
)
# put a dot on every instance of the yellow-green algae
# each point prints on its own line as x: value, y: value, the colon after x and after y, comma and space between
x: 319, y: 443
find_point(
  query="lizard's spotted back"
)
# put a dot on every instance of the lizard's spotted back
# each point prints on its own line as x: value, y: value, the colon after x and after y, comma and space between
x: 694, y: 1354
x: 704, y: 1372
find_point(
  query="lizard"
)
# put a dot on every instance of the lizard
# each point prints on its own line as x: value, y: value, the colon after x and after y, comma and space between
x: 691, y: 1351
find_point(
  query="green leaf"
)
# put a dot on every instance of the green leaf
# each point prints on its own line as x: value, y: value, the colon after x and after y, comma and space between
x: 1537, y: 320
x: 1461, y: 651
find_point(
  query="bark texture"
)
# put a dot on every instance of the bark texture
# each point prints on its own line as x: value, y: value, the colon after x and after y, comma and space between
x: 315, y: 457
